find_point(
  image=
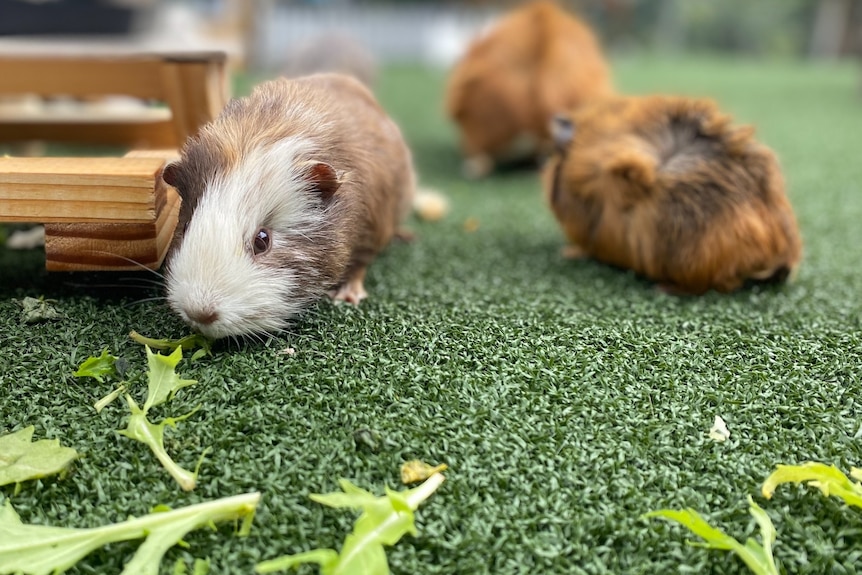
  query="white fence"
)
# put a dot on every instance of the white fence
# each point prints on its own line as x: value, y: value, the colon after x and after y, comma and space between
x: 426, y: 33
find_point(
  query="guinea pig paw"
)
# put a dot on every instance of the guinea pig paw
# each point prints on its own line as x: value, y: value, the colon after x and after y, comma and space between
x: 351, y: 291
x: 476, y: 167
x: 404, y: 235
x: 573, y: 252
x: 673, y: 289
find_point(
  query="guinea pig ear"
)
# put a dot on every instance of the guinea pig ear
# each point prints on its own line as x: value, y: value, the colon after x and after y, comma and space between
x: 323, y: 178
x: 633, y: 166
x: 562, y: 131
x: 170, y: 173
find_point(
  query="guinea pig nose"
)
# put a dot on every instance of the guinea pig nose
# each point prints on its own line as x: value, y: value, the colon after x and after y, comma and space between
x: 203, y: 316
x: 562, y: 131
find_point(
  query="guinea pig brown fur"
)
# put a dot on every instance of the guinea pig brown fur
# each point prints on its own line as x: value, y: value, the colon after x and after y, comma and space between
x: 669, y: 188
x: 534, y: 62
x: 288, y: 195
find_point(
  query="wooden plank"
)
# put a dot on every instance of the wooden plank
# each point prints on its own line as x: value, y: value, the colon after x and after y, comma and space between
x: 59, y: 192
x: 110, y: 247
x: 56, y: 211
x: 193, y: 86
x: 143, y: 134
x: 124, y: 172
x: 65, y: 191
x: 173, y: 94
x: 81, y: 76
x: 195, y: 93
x: 99, y: 48
x: 167, y: 154
x: 80, y: 114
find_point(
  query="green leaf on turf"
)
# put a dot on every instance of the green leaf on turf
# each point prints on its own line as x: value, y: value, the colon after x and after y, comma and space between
x: 201, y: 567
x: 44, y: 550
x: 758, y: 557
x: 384, y: 521
x: 827, y: 478
x: 153, y: 436
x: 415, y: 470
x: 21, y: 460
x: 162, y: 379
x: 326, y: 558
x: 98, y: 367
x: 102, y: 403
x: 38, y: 309
x: 186, y: 343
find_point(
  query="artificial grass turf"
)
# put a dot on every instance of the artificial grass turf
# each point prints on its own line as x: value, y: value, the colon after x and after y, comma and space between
x: 568, y: 398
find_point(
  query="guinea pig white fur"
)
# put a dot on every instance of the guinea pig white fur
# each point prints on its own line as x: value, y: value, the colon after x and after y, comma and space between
x: 288, y: 195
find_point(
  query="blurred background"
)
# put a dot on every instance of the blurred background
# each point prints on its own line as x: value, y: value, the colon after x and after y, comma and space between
x: 261, y: 35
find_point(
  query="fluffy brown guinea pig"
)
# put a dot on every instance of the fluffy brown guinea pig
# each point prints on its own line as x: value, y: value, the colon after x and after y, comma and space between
x: 288, y: 194
x: 532, y: 63
x: 668, y: 187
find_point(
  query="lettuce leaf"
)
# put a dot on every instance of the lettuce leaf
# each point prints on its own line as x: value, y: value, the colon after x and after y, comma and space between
x: 384, y: 521
x: 186, y: 343
x: 22, y: 460
x: 758, y: 557
x: 45, y: 550
x: 98, y: 367
x: 162, y: 379
x: 827, y: 478
x: 162, y: 383
x: 153, y: 436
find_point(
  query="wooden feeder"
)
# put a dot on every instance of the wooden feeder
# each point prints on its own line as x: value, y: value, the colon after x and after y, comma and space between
x: 104, y: 213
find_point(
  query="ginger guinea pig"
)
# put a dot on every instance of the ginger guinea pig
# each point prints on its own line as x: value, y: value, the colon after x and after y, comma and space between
x: 669, y: 188
x: 534, y: 62
x: 288, y: 195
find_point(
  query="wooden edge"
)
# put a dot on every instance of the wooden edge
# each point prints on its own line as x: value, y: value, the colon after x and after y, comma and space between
x: 69, y: 54
x: 167, y: 154
x: 66, y: 191
x: 155, y: 134
x: 112, y: 246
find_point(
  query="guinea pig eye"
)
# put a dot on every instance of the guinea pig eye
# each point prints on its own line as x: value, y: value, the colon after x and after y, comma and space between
x: 261, y: 242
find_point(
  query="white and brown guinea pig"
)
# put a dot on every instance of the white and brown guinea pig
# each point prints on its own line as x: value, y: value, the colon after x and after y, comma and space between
x: 670, y: 188
x: 288, y: 195
x: 534, y: 62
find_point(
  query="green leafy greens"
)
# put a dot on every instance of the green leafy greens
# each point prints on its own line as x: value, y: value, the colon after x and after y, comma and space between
x: 187, y: 343
x: 153, y: 436
x: 757, y: 557
x: 162, y: 383
x: 162, y: 379
x: 98, y: 367
x: 200, y: 567
x: 21, y: 460
x: 102, y: 367
x: 384, y: 521
x: 34, y: 310
x: 45, y: 550
x: 827, y: 478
